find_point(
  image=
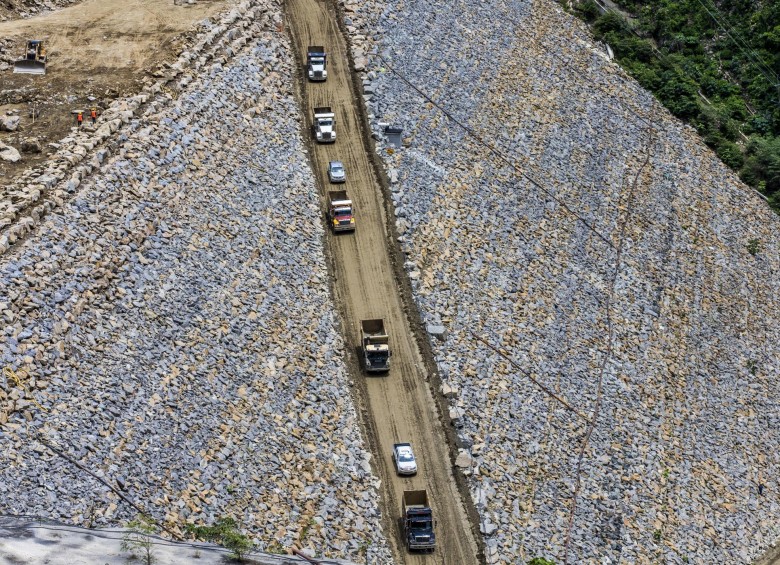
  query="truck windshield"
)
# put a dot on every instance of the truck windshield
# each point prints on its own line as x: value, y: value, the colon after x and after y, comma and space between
x: 336, y: 170
x: 326, y: 123
x: 405, y: 458
x: 420, y: 524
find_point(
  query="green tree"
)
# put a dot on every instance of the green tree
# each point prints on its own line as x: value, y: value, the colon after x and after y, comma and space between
x: 138, y: 541
x: 677, y: 50
x: 763, y: 163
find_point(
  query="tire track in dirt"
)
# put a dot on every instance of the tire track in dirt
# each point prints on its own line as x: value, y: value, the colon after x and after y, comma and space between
x: 401, y: 405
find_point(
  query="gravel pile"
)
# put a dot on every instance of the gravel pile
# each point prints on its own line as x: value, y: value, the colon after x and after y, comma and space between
x: 174, y: 316
x: 595, y: 241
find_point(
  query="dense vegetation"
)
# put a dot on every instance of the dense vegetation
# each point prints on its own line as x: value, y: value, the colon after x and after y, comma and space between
x: 714, y: 64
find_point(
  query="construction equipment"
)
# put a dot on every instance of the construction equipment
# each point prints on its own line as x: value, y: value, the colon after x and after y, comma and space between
x: 316, y: 61
x: 34, y: 61
x: 418, y: 521
x: 324, y: 125
x: 340, y: 211
x: 374, y: 342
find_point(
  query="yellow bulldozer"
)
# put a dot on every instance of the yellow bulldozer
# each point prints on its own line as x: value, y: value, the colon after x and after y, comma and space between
x: 34, y: 61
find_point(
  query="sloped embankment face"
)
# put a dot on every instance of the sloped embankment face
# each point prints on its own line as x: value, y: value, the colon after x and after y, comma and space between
x: 175, y: 319
x: 611, y: 257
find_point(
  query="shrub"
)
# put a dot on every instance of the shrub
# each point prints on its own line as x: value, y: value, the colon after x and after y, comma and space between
x: 679, y: 94
x: 587, y: 10
x: 610, y: 22
x: 540, y: 561
x: 730, y: 154
x: 226, y: 533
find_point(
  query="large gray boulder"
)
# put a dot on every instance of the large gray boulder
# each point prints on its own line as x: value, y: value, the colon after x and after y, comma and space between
x: 8, y: 153
x: 9, y: 123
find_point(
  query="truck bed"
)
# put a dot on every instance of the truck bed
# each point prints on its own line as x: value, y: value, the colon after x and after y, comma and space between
x: 373, y: 326
x: 337, y: 196
x: 415, y: 499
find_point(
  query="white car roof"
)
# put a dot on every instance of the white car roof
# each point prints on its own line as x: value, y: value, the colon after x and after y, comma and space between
x: 404, y: 449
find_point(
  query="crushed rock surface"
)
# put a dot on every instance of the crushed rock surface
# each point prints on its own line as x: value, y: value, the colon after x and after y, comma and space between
x: 548, y: 205
x: 175, y: 320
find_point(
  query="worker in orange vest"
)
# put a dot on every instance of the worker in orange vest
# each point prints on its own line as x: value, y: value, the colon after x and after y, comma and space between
x: 79, y: 117
x: 93, y: 114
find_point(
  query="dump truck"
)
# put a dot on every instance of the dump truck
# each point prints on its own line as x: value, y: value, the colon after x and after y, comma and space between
x: 417, y: 517
x: 316, y: 61
x: 324, y: 125
x: 34, y: 60
x: 340, y: 211
x: 374, y: 342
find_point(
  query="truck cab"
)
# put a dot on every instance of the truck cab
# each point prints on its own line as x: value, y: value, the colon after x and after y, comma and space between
x: 316, y: 63
x: 418, y: 521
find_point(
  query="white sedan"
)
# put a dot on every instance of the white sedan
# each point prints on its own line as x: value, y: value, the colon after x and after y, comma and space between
x: 403, y: 457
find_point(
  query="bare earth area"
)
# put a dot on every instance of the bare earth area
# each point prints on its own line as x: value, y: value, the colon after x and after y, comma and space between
x: 97, y: 52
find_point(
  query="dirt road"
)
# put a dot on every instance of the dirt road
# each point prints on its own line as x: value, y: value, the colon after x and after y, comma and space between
x: 399, y: 406
x: 771, y: 557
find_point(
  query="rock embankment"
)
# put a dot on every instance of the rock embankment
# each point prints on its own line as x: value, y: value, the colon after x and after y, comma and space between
x: 40, y: 189
x: 172, y: 310
x: 550, y: 207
